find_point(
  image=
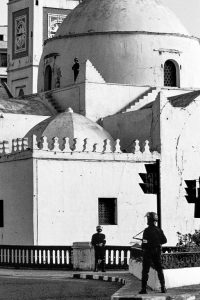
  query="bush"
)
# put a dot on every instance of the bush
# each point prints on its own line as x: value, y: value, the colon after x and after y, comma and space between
x: 188, y: 241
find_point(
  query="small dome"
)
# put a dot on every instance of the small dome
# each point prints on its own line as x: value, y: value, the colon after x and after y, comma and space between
x: 71, y: 125
x: 121, y: 15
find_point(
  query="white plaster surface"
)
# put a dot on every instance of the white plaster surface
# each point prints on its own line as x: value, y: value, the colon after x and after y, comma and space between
x: 173, y: 277
x: 16, y: 183
x: 14, y: 126
x: 67, y: 204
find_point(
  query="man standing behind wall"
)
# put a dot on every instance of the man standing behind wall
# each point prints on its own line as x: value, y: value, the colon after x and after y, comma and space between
x: 98, y: 242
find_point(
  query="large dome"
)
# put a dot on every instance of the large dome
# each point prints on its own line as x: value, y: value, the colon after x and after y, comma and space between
x: 126, y: 41
x: 71, y: 125
x: 121, y: 15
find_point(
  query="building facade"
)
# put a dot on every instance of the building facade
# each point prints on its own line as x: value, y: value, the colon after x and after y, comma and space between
x: 63, y: 171
x: 30, y: 23
x: 3, y: 53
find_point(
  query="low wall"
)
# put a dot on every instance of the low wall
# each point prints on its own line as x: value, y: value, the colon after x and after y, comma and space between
x: 173, y: 277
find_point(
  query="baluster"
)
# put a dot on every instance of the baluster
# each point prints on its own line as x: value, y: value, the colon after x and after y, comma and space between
x: 14, y: 145
x: 119, y: 258
x: 51, y: 257
x: 6, y: 147
x: 125, y: 258
x: 65, y: 146
x: 19, y: 144
x: 117, y: 146
x: 44, y: 143
x: 38, y: 256
x: 42, y: 257
x: 55, y: 144
x: 24, y: 144
x: 1, y: 147
x: 34, y: 143
x: 29, y: 251
x: 107, y: 146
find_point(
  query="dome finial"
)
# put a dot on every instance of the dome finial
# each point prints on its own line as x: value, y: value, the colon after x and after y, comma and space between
x: 69, y: 110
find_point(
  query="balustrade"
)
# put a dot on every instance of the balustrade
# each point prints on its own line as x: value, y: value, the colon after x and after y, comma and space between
x: 55, y: 257
x: 36, y: 256
x: 172, y: 257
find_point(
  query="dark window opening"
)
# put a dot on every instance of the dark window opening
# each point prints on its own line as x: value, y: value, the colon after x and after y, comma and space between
x: 48, y: 79
x: 3, y: 60
x: 170, y: 78
x: 107, y: 211
x: 1, y: 214
x: 21, y: 93
x: 1, y: 37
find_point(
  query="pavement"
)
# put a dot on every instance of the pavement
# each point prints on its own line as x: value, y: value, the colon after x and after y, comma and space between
x: 130, y: 284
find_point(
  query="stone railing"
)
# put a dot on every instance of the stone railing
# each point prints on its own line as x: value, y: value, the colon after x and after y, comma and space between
x: 140, y: 153
x: 172, y: 257
x: 36, y: 256
x: 61, y: 257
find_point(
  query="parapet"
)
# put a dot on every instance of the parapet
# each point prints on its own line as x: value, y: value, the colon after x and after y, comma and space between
x: 85, y: 146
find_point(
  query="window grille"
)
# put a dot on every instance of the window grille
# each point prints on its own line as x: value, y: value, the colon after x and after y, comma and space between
x: 3, y: 60
x: 107, y: 211
x: 170, y: 74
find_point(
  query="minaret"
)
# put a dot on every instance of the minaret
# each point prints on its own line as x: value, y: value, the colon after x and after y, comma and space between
x: 30, y: 22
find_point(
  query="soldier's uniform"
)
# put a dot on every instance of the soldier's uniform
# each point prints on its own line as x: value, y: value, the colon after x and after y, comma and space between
x: 98, y: 242
x: 153, y: 238
x: 75, y: 68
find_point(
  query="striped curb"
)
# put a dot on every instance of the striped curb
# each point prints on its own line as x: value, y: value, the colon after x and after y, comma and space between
x: 99, y: 277
x: 153, y: 297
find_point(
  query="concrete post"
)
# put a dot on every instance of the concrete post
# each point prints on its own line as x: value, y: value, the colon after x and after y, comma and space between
x: 83, y: 256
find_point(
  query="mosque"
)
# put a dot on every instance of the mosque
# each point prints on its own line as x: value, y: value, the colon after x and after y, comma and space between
x: 72, y: 151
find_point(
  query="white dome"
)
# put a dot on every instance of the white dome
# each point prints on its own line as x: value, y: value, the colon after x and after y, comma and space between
x: 127, y: 41
x: 71, y: 125
x: 121, y: 15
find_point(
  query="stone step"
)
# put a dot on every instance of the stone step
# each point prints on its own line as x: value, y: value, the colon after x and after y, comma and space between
x: 150, y: 97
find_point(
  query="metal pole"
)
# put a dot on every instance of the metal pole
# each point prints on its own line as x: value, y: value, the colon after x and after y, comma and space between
x: 158, y: 194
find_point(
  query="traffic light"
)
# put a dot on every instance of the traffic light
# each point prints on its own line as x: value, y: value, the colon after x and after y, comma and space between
x: 191, y: 191
x: 193, y: 195
x: 150, y: 179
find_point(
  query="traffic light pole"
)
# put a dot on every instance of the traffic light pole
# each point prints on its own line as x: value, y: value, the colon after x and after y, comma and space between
x: 158, y: 195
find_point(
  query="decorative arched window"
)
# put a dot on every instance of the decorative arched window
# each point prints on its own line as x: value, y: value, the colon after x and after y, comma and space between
x: 48, y: 79
x: 170, y: 74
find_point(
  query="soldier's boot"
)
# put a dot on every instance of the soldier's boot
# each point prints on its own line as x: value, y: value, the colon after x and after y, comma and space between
x: 162, y: 282
x: 144, y: 288
x: 163, y: 289
x: 143, y: 291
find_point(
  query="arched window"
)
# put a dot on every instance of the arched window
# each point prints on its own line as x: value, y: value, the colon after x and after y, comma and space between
x: 170, y: 74
x: 48, y: 79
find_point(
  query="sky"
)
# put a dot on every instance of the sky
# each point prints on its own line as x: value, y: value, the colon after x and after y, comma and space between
x: 188, y: 12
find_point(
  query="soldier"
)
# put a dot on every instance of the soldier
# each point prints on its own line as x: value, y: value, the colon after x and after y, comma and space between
x: 153, y: 238
x: 75, y: 68
x: 98, y: 242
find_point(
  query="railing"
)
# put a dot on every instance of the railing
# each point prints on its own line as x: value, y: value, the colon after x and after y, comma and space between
x: 36, y: 256
x: 56, y: 257
x: 117, y: 257
x: 172, y: 257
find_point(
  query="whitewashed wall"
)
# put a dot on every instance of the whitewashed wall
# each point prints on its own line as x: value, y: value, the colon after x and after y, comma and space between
x: 16, y: 190
x: 67, y: 200
x: 126, y: 58
x: 14, y: 126
x: 180, y: 157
